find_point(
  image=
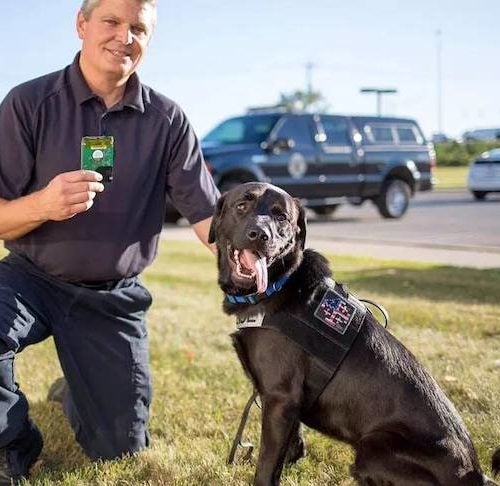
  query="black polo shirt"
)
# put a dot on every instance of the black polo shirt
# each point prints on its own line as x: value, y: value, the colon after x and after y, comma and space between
x: 42, y: 123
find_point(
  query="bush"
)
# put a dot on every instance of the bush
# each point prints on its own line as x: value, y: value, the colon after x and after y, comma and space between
x: 454, y: 154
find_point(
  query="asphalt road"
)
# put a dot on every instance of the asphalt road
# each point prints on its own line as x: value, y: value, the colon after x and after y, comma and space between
x: 442, y: 227
x: 447, y: 227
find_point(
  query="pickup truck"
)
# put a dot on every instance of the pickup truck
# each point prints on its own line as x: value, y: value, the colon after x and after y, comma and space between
x: 324, y: 160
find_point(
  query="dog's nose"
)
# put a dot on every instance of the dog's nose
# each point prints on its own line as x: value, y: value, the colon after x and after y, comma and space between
x: 257, y: 234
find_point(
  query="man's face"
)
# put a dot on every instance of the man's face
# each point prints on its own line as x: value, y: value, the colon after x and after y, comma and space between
x: 115, y: 36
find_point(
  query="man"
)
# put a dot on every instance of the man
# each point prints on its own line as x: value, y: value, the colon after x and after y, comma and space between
x: 78, y: 242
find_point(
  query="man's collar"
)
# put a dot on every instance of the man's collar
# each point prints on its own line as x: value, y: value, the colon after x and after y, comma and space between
x: 78, y: 84
x: 133, y: 96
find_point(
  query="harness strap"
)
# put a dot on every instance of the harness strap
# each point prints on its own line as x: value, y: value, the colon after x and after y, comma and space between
x: 237, y: 439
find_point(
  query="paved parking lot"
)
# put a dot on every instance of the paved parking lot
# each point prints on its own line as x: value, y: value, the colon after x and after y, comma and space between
x: 444, y: 227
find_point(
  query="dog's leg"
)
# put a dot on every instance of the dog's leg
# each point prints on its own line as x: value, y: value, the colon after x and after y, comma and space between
x: 297, y: 446
x: 385, y: 458
x: 280, y: 420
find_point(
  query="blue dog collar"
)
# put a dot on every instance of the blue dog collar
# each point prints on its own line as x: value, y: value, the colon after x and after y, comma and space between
x: 256, y: 298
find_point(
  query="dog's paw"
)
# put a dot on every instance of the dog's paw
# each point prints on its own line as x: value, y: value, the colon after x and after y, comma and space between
x: 296, y: 451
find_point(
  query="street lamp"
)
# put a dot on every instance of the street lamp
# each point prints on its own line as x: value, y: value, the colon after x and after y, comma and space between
x: 439, y: 81
x: 379, y: 92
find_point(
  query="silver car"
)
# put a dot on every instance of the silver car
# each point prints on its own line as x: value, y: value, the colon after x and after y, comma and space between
x: 484, y: 174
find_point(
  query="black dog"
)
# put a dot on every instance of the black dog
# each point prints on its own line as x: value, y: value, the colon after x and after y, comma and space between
x: 381, y: 401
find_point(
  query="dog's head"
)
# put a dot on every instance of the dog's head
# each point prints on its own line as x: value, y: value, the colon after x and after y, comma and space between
x: 260, y: 232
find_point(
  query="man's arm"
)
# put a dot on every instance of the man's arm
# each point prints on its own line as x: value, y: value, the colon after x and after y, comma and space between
x: 65, y: 196
x: 201, y: 229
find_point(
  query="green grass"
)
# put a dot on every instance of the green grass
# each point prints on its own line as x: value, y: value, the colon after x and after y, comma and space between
x: 451, y: 177
x: 449, y: 317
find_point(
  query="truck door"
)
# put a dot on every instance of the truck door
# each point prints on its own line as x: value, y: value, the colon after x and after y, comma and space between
x: 338, y: 165
x: 288, y: 167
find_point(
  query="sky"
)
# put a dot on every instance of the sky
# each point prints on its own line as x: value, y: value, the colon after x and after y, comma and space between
x: 217, y: 58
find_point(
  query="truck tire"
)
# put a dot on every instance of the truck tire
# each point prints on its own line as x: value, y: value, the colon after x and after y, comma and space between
x: 172, y: 217
x: 479, y: 195
x: 228, y: 184
x: 394, y: 199
x: 325, y: 210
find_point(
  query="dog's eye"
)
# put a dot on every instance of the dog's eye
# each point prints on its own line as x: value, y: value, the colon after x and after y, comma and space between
x: 241, y: 206
x: 281, y: 217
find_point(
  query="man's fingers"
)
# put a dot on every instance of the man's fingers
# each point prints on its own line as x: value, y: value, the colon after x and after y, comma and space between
x: 90, y: 187
x: 79, y: 208
x: 81, y: 175
x: 83, y: 187
x: 81, y: 197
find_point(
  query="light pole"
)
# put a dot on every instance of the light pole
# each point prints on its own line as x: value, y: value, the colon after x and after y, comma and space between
x: 439, y: 84
x: 379, y: 92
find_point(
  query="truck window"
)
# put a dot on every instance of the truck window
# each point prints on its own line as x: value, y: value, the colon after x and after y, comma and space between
x: 408, y: 134
x: 245, y: 129
x: 379, y: 133
x: 296, y: 129
x: 336, y: 131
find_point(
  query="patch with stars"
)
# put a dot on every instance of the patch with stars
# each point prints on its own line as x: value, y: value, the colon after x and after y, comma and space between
x: 335, y: 311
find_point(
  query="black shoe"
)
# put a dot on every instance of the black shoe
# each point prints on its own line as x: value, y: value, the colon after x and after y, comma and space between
x: 18, y: 456
x: 57, y: 391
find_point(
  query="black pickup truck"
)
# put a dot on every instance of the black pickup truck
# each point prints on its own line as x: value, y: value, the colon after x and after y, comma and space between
x: 324, y: 160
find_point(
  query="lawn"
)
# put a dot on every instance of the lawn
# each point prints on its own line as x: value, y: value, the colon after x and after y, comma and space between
x: 451, y: 177
x: 449, y: 317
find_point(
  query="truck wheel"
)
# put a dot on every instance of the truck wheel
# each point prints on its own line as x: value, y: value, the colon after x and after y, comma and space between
x: 171, y: 213
x: 172, y: 217
x: 479, y: 195
x: 394, y: 199
x: 325, y: 210
x: 228, y: 184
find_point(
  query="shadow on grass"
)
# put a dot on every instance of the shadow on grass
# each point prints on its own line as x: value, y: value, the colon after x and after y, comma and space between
x: 436, y: 284
x: 61, y: 453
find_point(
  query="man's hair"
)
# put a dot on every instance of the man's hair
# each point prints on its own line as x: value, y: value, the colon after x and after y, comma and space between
x: 89, y: 5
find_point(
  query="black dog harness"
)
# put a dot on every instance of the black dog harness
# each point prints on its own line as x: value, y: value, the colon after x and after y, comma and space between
x: 325, y: 328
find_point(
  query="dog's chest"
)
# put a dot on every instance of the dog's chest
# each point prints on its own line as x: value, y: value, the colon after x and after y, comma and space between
x: 325, y: 328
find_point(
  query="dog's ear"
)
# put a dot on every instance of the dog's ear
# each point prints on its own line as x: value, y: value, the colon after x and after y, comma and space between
x: 301, y: 223
x: 219, y: 209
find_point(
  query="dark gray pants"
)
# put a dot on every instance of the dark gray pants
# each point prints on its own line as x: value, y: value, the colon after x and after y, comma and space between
x: 101, y: 341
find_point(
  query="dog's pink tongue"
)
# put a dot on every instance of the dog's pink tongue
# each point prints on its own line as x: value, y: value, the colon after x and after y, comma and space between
x: 259, y: 266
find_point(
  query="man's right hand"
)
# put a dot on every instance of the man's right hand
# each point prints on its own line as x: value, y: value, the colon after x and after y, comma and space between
x: 68, y: 194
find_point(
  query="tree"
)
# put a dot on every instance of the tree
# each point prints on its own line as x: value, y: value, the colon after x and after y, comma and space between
x: 303, y: 100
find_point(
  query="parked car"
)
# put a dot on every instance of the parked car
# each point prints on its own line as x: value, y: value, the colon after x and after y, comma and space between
x: 484, y: 174
x: 441, y: 138
x: 324, y: 160
x: 482, y: 134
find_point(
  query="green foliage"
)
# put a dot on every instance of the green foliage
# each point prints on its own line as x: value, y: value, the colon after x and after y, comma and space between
x: 449, y: 318
x: 454, y: 154
x: 303, y: 100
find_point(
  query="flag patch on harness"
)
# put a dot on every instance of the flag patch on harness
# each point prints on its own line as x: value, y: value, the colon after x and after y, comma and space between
x: 335, y: 311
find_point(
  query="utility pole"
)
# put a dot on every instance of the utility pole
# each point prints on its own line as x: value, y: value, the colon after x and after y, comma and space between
x: 439, y: 83
x: 309, y: 68
x: 379, y: 92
